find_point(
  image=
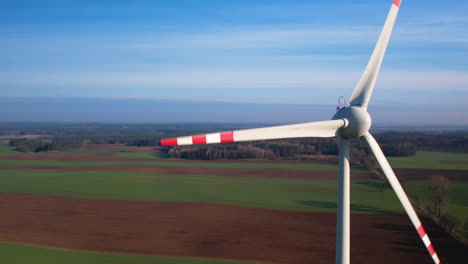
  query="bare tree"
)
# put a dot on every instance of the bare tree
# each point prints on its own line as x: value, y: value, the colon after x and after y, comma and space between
x: 438, y: 188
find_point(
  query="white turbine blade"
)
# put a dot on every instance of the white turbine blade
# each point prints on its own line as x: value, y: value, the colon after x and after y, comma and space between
x: 363, y: 90
x: 393, y: 180
x: 313, y: 129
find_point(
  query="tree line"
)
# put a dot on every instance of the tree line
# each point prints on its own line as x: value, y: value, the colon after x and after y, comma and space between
x: 430, y: 141
x: 36, y: 145
x: 75, y: 142
x: 130, y: 140
x: 393, y: 144
x: 276, y: 149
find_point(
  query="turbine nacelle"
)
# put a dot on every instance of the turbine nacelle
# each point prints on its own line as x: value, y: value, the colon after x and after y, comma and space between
x: 357, y: 122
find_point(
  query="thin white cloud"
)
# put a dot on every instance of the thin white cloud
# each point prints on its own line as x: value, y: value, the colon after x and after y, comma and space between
x: 244, y: 78
x: 264, y: 39
x: 253, y: 38
x: 428, y: 35
x: 292, y: 37
x: 454, y: 19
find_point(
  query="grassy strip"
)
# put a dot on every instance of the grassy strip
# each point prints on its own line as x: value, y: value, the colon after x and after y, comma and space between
x: 432, y: 160
x: 457, y: 204
x: 240, y: 165
x: 281, y: 194
x: 17, y: 253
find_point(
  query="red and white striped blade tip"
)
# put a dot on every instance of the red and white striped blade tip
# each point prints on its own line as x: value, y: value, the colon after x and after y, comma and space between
x: 223, y: 137
x: 425, y: 238
x: 168, y: 142
x: 397, y: 2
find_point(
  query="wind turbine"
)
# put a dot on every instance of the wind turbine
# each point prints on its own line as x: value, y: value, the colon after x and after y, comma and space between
x: 348, y: 123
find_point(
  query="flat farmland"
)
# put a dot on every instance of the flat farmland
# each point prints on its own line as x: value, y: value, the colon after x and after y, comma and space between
x: 431, y: 160
x: 119, y: 205
x: 20, y: 253
x: 316, y: 195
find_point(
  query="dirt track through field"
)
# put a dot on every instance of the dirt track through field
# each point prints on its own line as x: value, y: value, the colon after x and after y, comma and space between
x: 212, y: 231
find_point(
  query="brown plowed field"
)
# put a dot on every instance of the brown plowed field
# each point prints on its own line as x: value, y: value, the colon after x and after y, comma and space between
x: 213, y: 231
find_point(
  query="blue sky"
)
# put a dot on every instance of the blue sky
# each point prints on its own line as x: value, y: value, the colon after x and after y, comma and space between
x: 288, y: 52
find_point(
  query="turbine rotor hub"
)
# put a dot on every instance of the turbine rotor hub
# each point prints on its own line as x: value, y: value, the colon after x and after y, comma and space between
x: 359, y: 122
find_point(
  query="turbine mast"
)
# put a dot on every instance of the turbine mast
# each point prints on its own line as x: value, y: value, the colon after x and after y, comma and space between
x: 343, y: 209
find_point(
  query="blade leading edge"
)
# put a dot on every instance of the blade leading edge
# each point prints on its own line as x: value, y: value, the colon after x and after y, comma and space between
x: 393, y: 180
x: 312, y: 129
x: 363, y: 90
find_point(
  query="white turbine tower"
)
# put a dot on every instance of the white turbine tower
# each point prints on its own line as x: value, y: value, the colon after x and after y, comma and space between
x: 348, y: 123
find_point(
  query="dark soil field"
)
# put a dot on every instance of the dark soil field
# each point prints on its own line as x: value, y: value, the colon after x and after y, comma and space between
x: 213, y: 231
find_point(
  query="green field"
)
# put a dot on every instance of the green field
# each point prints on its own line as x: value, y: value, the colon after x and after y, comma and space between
x: 240, y: 165
x: 80, y: 152
x: 457, y: 197
x: 7, y: 150
x: 431, y: 160
x: 282, y: 194
x: 143, y: 155
x: 21, y: 254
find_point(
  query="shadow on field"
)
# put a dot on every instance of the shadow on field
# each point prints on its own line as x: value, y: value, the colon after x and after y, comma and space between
x: 410, y: 243
x: 356, y: 208
x: 449, y: 250
x: 376, y: 186
x: 325, y: 205
x: 371, y: 210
